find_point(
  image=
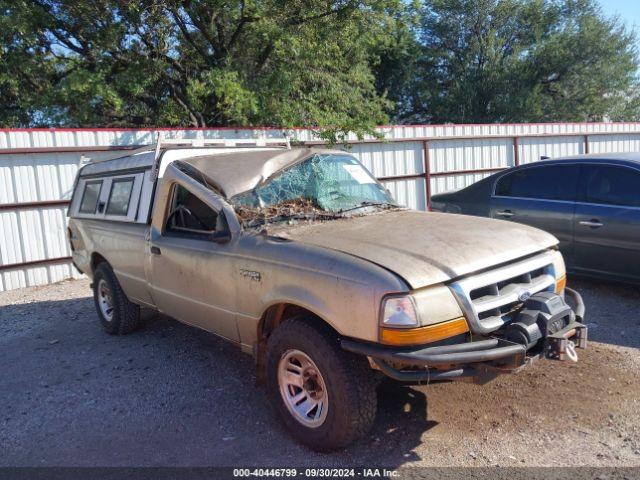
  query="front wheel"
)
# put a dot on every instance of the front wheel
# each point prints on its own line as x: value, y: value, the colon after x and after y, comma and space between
x: 325, y: 396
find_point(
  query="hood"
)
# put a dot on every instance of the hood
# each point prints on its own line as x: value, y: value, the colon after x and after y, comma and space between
x: 425, y: 248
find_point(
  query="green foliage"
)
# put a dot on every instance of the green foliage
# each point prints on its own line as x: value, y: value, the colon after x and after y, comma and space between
x: 192, y: 63
x: 519, y: 61
x: 335, y: 66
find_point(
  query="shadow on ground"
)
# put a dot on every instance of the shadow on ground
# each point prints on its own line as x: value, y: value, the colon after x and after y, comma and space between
x: 166, y: 395
x: 172, y: 395
x: 612, y: 311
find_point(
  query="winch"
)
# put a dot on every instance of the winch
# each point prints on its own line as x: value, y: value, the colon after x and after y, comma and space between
x: 541, y: 318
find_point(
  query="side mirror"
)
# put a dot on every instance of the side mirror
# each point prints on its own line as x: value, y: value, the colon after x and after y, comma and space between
x: 222, y: 233
x: 221, y: 237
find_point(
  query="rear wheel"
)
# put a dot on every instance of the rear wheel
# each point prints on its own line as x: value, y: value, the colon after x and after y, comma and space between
x: 117, y: 314
x: 325, y: 396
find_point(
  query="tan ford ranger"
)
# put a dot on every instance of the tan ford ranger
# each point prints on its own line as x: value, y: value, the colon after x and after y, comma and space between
x: 304, y: 260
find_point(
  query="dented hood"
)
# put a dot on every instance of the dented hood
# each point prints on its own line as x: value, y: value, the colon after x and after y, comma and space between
x: 425, y: 248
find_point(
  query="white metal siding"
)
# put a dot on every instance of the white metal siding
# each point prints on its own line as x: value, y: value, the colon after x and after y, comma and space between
x: 470, y: 154
x: 390, y: 159
x: 408, y: 192
x: 37, y: 233
x: 615, y: 143
x: 455, y: 182
x: 532, y: 148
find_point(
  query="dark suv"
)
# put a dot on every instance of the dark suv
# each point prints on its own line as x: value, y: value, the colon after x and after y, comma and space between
x: 591, y: 203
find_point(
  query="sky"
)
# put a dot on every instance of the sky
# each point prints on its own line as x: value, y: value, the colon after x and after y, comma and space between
x: 627, y: 10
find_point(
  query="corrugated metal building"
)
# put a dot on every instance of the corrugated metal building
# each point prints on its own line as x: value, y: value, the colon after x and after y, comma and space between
x: 38, y: 167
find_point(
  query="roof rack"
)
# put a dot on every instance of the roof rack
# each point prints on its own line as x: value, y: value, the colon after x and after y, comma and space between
x: 162, y: 142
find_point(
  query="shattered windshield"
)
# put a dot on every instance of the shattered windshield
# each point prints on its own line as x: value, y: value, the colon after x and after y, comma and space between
x: 323, y: 186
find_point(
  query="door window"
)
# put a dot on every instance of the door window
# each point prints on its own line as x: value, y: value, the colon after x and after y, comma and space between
x: 553, y: 182
x: 611, y: 185
x: 190, y: 215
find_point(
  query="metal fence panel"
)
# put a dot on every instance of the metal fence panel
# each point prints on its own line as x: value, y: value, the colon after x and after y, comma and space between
x: 615, y: 143
x: 38, y: 168
x: 410, y: 193
x: 390, y: 159
x: 33, y: 187
x: 455, y: 182
x: 470, y: 154
x: 532, y: 148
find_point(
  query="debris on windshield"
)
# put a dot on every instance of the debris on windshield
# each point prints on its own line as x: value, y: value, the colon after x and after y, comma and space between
x: 322, y: 187
x: 293, y: 211
x: 288, y: 209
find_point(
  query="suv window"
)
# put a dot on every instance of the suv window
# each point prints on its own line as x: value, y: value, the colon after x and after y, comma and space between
x: 553, y: 182
x: 611, y: 185
x: 120, y: 195
x: 189, y: 214
x: 90, y: 196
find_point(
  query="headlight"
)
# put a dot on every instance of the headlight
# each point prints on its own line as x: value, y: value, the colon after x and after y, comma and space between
x: 560, y: 272
x: 399, y: 312
x: 399, y: 318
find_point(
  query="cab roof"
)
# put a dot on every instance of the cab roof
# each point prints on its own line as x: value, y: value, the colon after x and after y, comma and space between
x: 235, y: 173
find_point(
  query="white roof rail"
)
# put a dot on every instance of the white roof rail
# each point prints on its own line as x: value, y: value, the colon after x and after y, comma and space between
x: 121, y: 153
x: 162, y: 142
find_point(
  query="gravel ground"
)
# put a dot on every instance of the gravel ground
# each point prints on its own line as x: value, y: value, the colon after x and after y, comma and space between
x: 169, y: 394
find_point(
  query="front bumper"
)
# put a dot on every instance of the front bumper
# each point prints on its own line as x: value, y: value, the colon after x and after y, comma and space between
x: 482, y: 359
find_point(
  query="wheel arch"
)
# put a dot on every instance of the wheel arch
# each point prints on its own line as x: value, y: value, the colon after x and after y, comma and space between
x: 97, y: 259
x: 273, y: 316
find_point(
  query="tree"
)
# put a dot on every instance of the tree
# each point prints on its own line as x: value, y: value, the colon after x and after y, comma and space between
x: 397, y: 53
x: 331, y: 65
x: 192, y: 63
x: 520, y: 61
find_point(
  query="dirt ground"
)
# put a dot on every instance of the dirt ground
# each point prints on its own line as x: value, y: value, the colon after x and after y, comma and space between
x: 72, y: 395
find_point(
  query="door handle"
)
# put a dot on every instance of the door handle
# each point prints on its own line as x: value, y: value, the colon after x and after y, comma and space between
x: 506, y: 213
x: 155, y: 250
x: 592, y: 223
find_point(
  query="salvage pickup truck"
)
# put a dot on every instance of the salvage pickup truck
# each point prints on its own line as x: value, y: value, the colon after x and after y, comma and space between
x: 303, y: 259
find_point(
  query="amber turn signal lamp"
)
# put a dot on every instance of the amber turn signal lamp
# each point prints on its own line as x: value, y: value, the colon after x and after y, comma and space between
x: 421, y: 335
x: 560, y: 284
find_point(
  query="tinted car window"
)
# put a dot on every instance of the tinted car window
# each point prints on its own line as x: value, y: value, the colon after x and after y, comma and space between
x: 555, y: 182
x: 90, y: 197
x: 119, y: 197
x: 611, y: 185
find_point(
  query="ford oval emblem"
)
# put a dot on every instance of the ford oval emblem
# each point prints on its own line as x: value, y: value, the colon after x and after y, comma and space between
x: 524, y: 295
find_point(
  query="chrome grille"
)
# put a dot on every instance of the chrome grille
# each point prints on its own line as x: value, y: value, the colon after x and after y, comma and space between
x: 490, y: 299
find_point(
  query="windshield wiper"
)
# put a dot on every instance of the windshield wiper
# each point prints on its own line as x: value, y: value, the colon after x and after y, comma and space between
x: 368, y: 203
x: 263, y: 217
x: 264, y: 220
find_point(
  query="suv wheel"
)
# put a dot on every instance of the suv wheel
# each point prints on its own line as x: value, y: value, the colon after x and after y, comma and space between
x: 325, y: 396
x: 117, y: 314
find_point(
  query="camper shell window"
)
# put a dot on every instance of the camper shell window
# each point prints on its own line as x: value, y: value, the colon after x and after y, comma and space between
x: 90, y: 196
x: 120, y: 196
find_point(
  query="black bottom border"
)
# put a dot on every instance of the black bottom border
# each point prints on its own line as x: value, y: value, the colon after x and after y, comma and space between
x: 206, y: 473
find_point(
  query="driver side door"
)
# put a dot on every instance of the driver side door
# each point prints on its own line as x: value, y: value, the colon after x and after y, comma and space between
x: 191, y: 267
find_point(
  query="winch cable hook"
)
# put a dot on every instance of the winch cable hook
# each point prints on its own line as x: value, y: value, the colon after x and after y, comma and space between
x: 570, y: 350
